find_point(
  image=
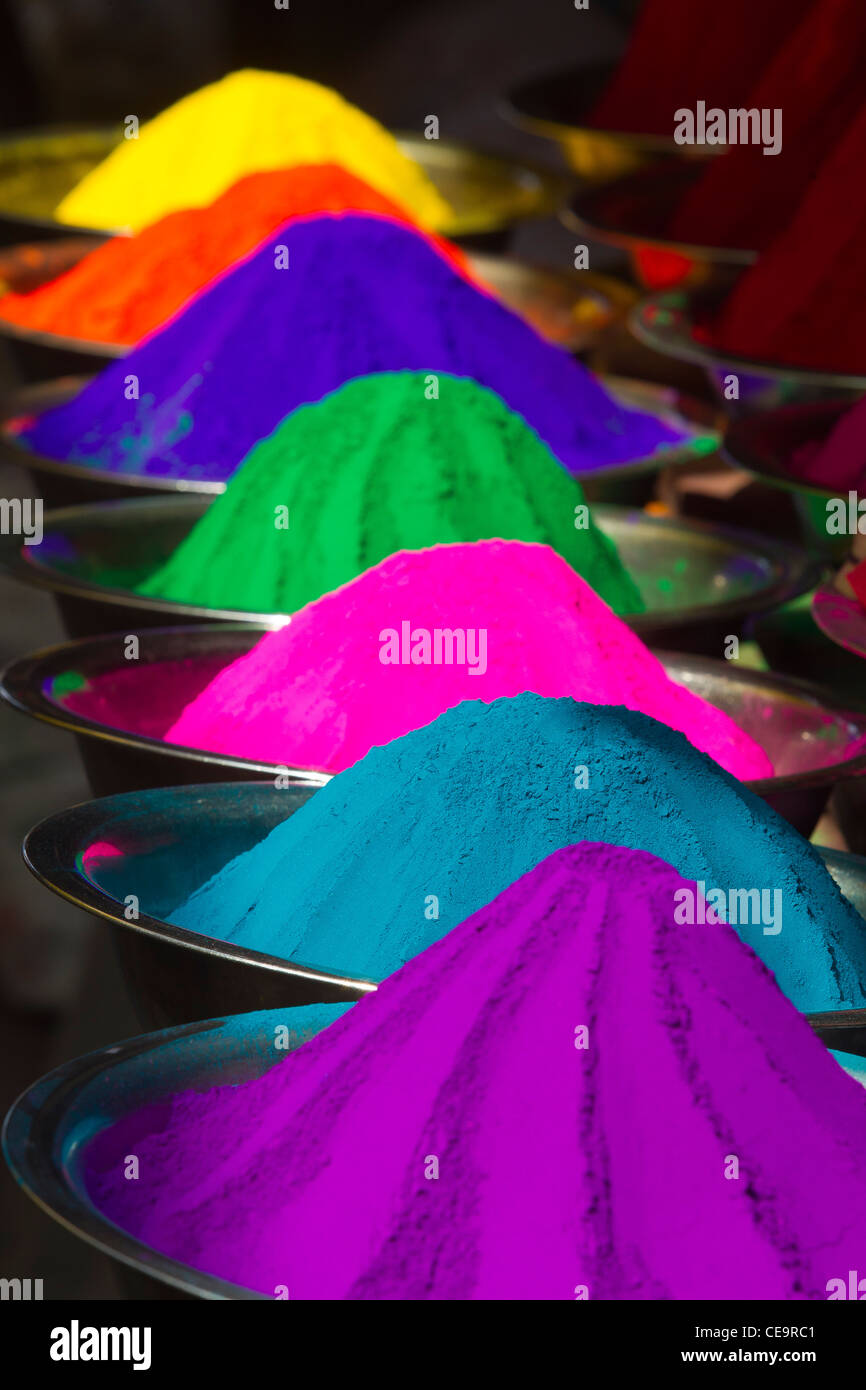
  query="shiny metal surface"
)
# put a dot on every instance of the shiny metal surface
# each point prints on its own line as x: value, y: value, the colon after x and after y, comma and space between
x: 695, y: 580
x: 558, y: 107
x: 633, y: 214
x: 667, y: 323
x: 159, y: 846
x: 810, y: 738
x: 47, y: 1129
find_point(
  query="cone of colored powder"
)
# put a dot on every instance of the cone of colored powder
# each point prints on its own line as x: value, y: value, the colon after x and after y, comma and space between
x: 802, y: 303
x: 130, y: 286
x: 839, y: 461
x: 394, y: 852
x: 247, y: 122
x: 375, y: 468
x: 815, y: 83
x: 359, y: 666
x: 680, y: 52
x: 328, y: 300
x: 574, y: 1095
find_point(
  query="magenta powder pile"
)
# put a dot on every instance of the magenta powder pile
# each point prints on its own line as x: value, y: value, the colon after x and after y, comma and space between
x: 569, y: 1096
x: 839, y: 460
x: 358, y: 667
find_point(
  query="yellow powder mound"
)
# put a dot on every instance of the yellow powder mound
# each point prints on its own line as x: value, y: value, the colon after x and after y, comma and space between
x: 248, y: 122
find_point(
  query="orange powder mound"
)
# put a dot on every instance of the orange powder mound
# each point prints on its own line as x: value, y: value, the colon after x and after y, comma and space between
x: 130, y: 286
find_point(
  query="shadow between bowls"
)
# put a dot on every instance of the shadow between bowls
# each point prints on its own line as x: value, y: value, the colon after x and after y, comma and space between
x: 633, y: 214
x: 698, y: 582
x: 157, y: 847
x: 47, y: 1130
x: 558, y: 107
x: 120, y: 710
x: 668, y: 322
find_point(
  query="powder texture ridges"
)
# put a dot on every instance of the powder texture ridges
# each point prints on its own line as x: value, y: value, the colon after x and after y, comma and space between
x: 375, y: 468
x: 561, y: 1161
x: 452, y: 813
x: 131, y: 285
x: 318, y: 694
x: 247, y: 122
x: 358, y: 295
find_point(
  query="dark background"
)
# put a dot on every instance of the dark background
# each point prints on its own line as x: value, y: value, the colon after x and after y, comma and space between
x: 95, y: 61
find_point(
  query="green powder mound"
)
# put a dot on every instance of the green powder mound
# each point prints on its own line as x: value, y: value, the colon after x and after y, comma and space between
x: 374, y: 468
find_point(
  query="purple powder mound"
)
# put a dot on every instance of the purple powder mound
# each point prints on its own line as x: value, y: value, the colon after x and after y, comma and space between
x: 360, y: 295
x: 570, y: 1095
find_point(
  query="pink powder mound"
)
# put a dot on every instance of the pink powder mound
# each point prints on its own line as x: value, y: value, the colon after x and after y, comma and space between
x: 315, y: 694
x: 570, y: 1091
x: 839, y: 461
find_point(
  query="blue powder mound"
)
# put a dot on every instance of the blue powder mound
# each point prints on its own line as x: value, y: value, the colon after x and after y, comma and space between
x: 360, y: 295
x: 444, y: 819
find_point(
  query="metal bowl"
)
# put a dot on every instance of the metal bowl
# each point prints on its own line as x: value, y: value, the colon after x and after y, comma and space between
x: 667, y: 323
x: 165, y: 843
x: 558, y: 107
x: 48, y: 1128
x: 811, y: 739
x: 697, y: 581
x: 63, y: 484
x: 488, y: 194
x: 840, y: 618
x: 634, y: 213
x: 766, y: 444
x: 161, y: 845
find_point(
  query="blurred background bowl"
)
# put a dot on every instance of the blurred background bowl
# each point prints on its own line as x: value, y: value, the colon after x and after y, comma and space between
x: 558, y: 107
x: 667, y: 324
x: 698, y: 582
x: 119, y: 710
x: 634, y: 213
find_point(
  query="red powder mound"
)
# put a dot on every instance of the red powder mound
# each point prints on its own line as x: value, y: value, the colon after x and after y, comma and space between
x: 132, y: 285
x: 746, y: 198
x: 804, y: 302
x: 682, y: 51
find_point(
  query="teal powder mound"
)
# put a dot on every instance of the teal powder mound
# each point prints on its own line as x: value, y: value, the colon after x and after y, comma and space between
x: 398, y: 849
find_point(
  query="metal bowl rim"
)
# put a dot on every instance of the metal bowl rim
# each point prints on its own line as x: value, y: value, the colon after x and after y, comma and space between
x: 50, y: 850
x: 687, y: 349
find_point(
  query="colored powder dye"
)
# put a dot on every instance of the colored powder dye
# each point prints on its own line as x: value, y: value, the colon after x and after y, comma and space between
x: 802, y: 302
x: 131, y: 285
x: 816, y: 81
x: 247, y: 122
x: 839, y: 461
x: 581, y: 1068
x: 680, y: 51
x: 359, y: 295
x: 375, y: 468
x: 317, y: 693
x: 452, y: 813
